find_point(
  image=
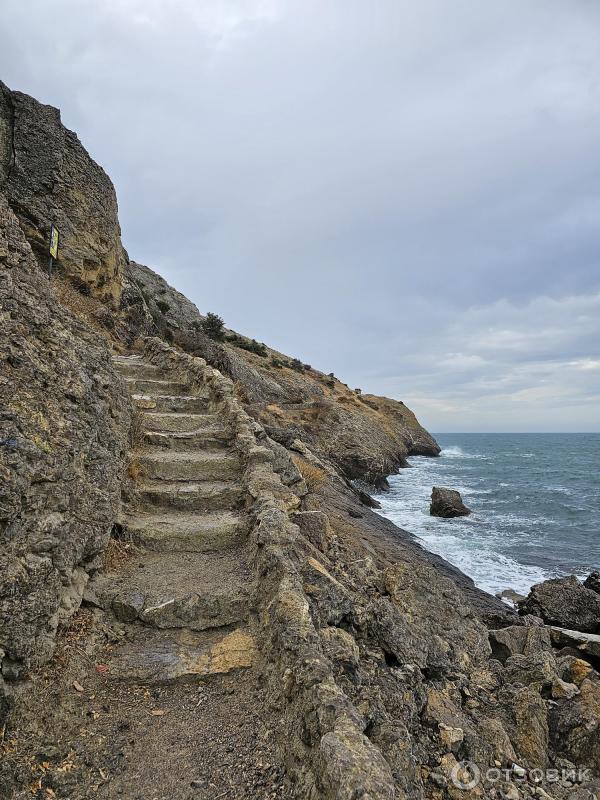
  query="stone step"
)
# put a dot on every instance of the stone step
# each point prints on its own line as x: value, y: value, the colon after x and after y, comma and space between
x: 171, y: 403
x: 188, y: 496
x: 135, y: 367
x: 154, y: 387
x: 180, y: 532
x: 179, y: 423
x: 177, y: 590
x: 171, y: 465
x: 156, y: 657
x: 208, y: 439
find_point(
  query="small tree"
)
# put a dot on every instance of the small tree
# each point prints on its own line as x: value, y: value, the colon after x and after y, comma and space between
x: 212, y: 326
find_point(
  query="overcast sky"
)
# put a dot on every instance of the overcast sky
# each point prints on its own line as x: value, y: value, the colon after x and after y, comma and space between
x: 405, y: 193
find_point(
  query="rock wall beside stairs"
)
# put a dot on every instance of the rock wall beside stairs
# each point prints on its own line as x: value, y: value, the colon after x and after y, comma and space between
x: 64, y: 418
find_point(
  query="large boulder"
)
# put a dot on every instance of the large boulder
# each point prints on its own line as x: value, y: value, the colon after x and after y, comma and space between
x: 593, y: 582
x: 447, y: 503
x: 564, y: 602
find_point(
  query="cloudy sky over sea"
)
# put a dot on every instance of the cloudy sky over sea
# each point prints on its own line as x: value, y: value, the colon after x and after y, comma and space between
x: 405, y: 193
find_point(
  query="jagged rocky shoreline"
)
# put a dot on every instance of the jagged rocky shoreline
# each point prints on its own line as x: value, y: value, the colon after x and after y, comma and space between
x: 372, y: 668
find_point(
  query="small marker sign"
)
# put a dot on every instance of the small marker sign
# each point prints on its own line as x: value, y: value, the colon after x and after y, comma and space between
x: 54, y: 242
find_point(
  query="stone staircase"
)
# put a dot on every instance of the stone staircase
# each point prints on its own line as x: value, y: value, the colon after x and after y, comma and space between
x: 186, y: 596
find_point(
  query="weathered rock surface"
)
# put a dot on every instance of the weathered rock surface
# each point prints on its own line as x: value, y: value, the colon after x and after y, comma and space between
x: 593, y: 582
x: 564, y: 602
x: 49, y: 179
x: 447, y: 503
x: 63, y: 428
x: 588, y: 644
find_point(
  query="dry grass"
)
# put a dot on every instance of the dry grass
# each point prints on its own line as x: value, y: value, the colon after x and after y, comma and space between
x: 318, y: 411
x: 240, y: 393
x: 313, y: 476
x: 135, y: 471
x: 80, y: 305
x: 116, y: 554
x: 349, y: 400
x: 275, y: 410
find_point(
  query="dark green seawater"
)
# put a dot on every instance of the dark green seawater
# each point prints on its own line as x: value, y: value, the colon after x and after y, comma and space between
x: 535, y: 498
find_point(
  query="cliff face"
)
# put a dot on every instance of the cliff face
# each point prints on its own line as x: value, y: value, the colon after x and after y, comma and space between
x: 365, y: 436
x: 49, y: 179
x: 63, y: 428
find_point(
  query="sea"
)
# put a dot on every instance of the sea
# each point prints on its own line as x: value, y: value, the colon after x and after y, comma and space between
x: 535, y: 499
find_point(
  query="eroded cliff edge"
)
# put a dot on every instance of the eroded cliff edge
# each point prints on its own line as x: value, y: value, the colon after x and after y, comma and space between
x: 379, y: 665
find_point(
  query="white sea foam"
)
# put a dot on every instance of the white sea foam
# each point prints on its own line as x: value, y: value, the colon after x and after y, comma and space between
x: 453, y: 452
x: 470, y: 543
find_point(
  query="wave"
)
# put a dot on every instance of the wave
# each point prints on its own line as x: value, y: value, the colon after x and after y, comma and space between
x: 453, y: 452
x: 533, y: 513
x: 493, y: 572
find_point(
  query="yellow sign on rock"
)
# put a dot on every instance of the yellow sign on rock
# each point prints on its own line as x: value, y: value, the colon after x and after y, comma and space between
x: 54, y: 242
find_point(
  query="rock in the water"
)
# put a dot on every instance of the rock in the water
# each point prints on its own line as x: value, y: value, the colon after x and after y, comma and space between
x: 564, y: 602
x: 593, y: 582
x: 447, y: 503
x: 511, y: 597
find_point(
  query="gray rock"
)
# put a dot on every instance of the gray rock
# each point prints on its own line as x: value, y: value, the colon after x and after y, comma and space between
x: 588, y: 644
x: 593, y: 582
x: 564, y: 602
x: 447, y: 503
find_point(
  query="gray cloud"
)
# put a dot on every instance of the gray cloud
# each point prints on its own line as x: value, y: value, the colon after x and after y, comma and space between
x: 405, y: 193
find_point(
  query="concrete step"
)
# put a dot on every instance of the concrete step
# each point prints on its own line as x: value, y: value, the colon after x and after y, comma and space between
x: 156, y: 657
x: 188, y: 496
x: 180, y: 532
x: 177, y: 590
x: 156, y: 386
x: 135, y: 367
x: 171, y: 465
x: 205, y: 439
x: 171, y: 403
x: 179, y: 423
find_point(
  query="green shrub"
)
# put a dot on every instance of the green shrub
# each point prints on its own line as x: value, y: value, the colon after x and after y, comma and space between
x: 213, y: 326
x: 296, y: 365
x: 163, y: 306
x: 247, y: 344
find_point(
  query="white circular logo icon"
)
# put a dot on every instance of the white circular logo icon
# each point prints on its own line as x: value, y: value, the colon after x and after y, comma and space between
x: 465, y: 775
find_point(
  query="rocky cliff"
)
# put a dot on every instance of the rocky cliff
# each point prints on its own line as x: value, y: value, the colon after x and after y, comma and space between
x: 378, y: 671
x: 49, y: 179
x: 63, y: 428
